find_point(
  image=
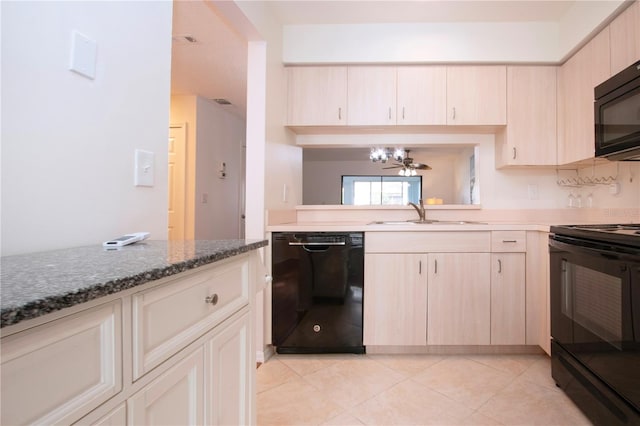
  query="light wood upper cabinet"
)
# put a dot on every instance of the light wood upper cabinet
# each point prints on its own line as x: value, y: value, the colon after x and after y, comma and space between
x: 395, y: 308
x: 576, y: 81
x: 529, y: 139
x: 477, y: 95
x: 459, y: 299
x: 625, y: 38
x: 371, y: 95
x: 422, y: 95
x: 317, y: 96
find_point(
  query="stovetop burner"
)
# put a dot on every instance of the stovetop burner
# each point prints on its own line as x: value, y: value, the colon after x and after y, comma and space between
x: 623, y: 227
x: 627, y: 234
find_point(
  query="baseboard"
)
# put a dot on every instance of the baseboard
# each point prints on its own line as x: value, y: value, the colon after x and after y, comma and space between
x: 264, y: 355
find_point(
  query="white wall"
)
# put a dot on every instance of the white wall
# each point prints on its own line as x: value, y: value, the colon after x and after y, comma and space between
x: 220, y: 137
x: 446, y: 42
x: 68, y: 142
x: 283, y: 160
x: 214, y: 135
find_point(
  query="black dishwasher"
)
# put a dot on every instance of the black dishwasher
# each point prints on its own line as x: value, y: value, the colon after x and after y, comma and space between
x: 317, y: 291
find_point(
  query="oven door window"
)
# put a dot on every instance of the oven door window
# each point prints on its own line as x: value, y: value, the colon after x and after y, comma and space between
x: 592, y: 301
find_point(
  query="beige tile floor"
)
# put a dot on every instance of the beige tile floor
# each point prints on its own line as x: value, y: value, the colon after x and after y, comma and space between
x: 411, y: 390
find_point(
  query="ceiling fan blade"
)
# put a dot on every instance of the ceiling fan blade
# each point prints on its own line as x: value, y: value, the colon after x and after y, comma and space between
x: 392, y: 167
x: 419, y: 166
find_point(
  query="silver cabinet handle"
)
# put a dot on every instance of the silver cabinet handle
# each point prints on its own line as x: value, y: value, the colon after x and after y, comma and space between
x: 403, y: 113
x: 509, y: 241
x: 453, y: 116
x: 514, y: 153
x: 420, y: 267
x: 212, y: 299
x: 389, y: 113
x: 317, y: 243
x: 339, y: 113
x: 499, y: 266
x: 436, y: 266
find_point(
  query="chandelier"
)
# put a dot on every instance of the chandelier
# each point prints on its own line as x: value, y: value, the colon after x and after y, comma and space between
x: 383, y: 154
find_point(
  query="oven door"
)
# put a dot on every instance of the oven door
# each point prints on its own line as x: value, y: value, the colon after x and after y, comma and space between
x: 595, y: 302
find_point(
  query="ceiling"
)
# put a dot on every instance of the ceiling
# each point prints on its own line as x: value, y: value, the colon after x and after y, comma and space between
x: 399, y: 11
x: 215, y: 65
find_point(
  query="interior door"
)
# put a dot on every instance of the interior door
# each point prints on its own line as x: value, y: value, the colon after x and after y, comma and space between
x: 176, y: 186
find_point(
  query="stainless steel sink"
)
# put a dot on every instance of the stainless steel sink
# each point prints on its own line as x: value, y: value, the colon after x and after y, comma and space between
x: 427, y: 222
x: 459, y: 222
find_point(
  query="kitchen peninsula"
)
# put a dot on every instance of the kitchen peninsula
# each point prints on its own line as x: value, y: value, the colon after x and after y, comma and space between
x: 96, y: 336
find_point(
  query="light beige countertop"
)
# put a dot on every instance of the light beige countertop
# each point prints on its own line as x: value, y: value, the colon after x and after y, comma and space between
x: 399, y: 226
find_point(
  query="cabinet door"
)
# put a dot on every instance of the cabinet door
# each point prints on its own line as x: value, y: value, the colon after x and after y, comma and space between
x: 530, y: 135
x: 199, y: 301
x: 576, y: 81
x: 174, y: 398
x: 459, y: 299
x: 371, y: 98
x: 395, y: 299
x: 36, y: 384
x: 117, y: 417
x: 508, y: 299
x: 317, y: 96
x: 625, y: 38
x: 477, y: 95
x: 422, y: 95
x: 228, y: 371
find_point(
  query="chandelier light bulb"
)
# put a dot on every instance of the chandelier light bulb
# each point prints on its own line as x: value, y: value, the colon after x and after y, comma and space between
x: 398, y: 154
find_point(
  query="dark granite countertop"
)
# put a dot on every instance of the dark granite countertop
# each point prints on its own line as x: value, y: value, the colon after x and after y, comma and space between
x: 36, y: 284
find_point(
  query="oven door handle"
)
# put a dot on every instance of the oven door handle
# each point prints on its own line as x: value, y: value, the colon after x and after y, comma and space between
x: 338, y: 243
x: 565, y: 245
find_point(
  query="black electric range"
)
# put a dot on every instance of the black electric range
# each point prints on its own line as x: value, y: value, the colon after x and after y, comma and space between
x: 595, y: 319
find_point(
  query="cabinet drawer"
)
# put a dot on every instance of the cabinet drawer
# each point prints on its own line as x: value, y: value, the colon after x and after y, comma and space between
x: 58, y: 372
x: 427, y: 242
x: 169, y: 317
x: 508, y: 241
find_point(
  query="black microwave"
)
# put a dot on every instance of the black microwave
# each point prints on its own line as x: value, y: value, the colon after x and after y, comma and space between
x: 617, y: 116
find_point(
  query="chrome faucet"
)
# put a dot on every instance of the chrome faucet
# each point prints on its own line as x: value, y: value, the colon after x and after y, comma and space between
x: 420, y: 210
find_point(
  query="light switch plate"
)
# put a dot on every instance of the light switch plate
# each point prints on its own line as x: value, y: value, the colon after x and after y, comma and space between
x: 83, y: 55
x: 144, y: 168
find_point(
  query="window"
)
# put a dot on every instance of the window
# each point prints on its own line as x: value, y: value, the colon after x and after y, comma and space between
x: 381, y: 190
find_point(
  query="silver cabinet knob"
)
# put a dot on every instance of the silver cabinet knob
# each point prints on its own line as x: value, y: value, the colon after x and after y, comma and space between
x: 211, y: 299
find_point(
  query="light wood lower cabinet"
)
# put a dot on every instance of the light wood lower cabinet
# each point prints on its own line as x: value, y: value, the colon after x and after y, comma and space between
x: 482, y: 288
x: 508, y: 299
x: 59, y: 371
x: 395, y: 303
x: 175, y: 398
x: 459, y: 299
x: 194, y: 355
x: 229, y: 370
x: 211, y: 386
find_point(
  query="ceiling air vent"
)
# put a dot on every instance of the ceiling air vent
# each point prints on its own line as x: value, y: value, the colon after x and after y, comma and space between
x: 222, y: 101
